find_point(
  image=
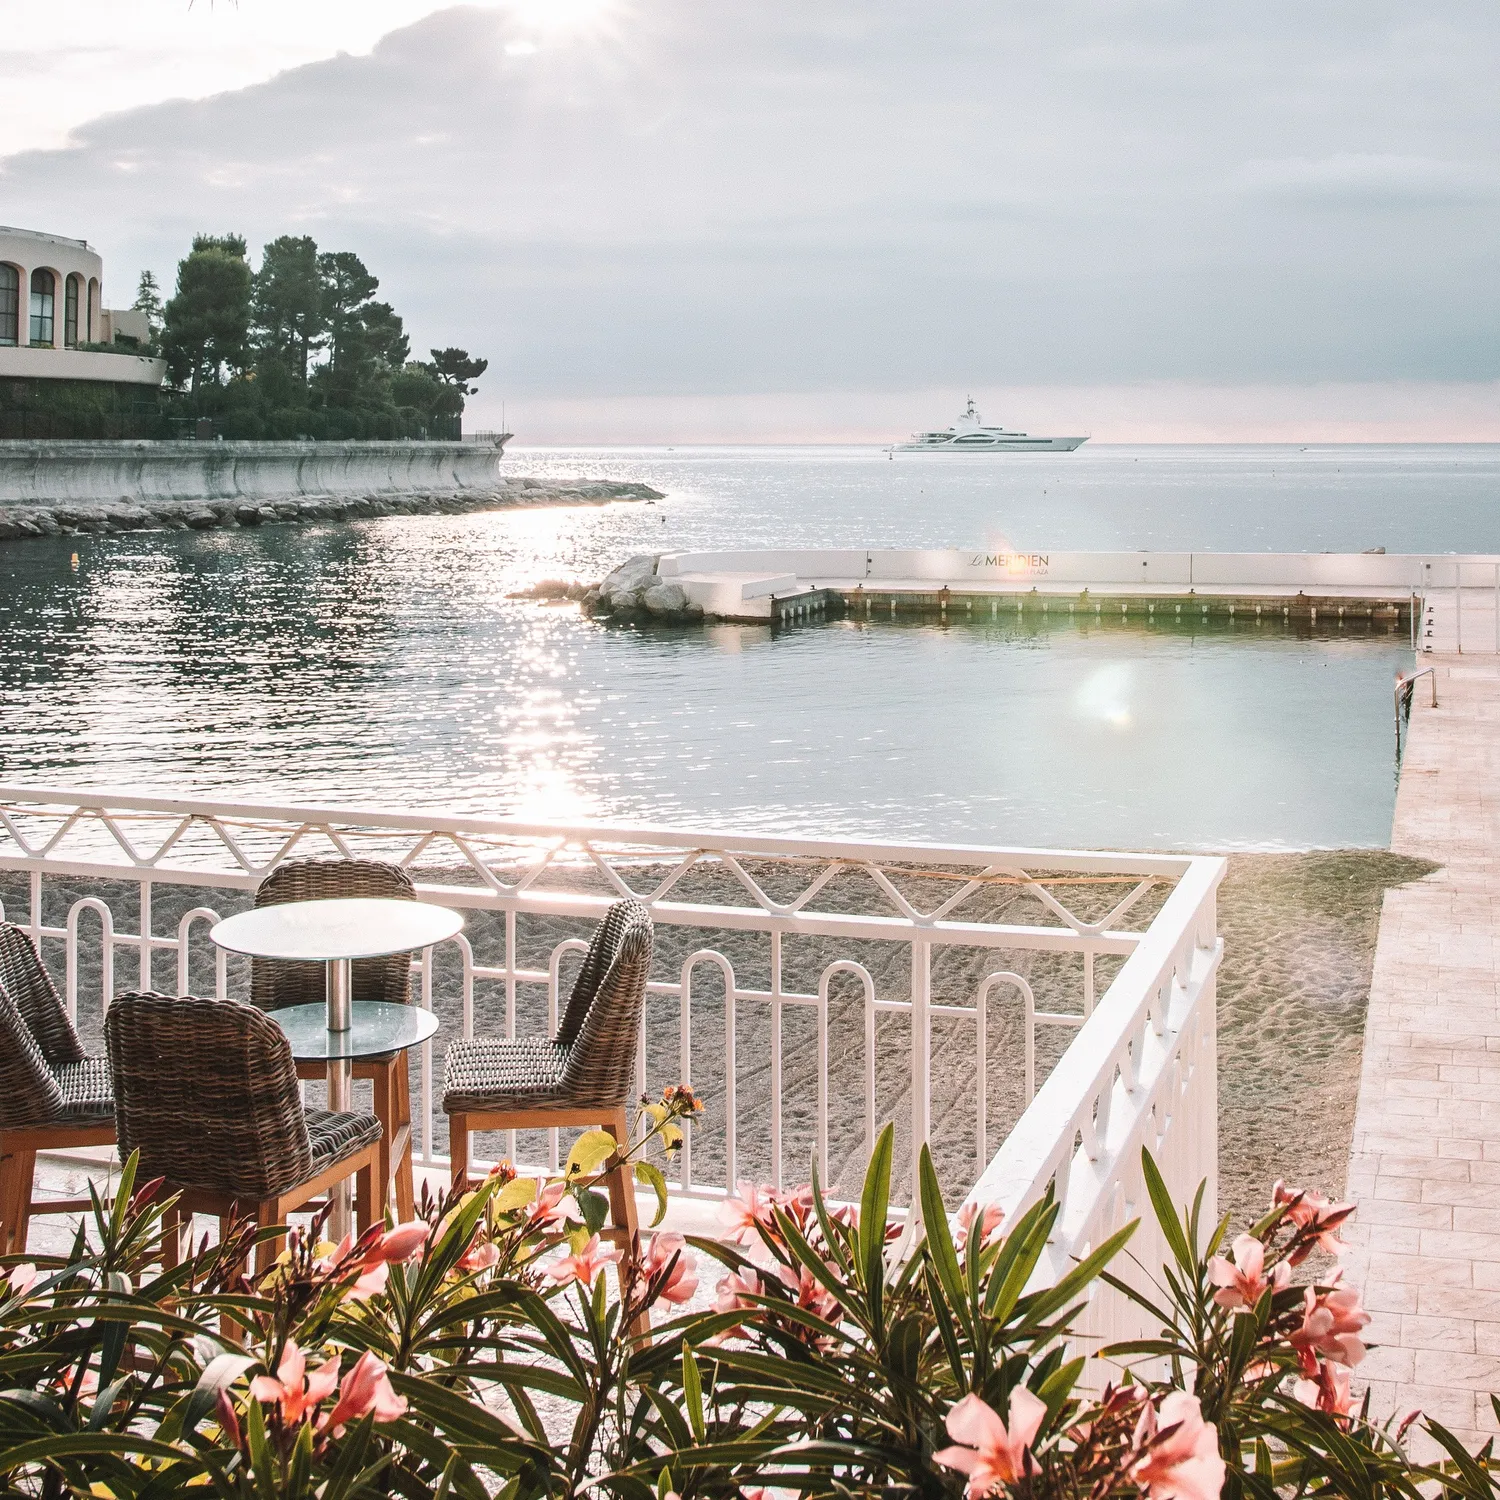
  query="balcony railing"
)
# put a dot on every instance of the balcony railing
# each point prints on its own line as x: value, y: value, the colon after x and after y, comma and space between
x: 1057, y: 1004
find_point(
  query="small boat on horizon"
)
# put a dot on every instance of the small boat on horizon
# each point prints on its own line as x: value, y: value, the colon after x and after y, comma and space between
x: 970, y: 435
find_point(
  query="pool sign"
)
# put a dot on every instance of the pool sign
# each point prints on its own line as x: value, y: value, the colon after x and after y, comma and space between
x: 1026, y: 564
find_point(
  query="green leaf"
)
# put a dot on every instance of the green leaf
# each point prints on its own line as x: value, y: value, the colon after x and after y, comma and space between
x: 939, y: 1239
x: 594, y: 1206
x: 874, y: 1203
x: 590, y: 1151
x: 220, y: 1373
x: 1166, y: 1214
x: 650, y: 1175
x: 692, y: 1392
x: 519, y: 1192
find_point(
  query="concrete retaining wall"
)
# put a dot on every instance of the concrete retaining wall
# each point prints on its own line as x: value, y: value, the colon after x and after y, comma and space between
x: 140, y: 473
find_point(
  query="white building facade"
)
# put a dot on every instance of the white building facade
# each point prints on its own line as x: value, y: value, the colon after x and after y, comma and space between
x: 51, y: 307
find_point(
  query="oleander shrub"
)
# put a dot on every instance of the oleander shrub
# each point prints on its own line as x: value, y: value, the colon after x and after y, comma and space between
x: 492, y: 1347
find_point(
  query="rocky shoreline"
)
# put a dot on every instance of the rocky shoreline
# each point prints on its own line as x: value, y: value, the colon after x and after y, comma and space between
x: 65, y: 518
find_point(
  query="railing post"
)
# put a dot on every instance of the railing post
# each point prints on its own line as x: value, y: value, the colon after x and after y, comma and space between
x: 921, y: 1058
x: 145, y: 969
x: 1458, y: 605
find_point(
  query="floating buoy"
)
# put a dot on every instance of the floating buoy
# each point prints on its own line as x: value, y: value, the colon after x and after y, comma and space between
x: 75, y: 562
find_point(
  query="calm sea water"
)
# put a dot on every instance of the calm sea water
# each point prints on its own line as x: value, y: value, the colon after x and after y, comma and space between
x: 381, y: 662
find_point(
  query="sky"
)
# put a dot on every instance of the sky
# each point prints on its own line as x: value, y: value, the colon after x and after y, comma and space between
x: 688, y: 220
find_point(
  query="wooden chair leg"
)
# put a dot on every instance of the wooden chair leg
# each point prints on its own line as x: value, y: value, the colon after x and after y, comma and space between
x: 369, y: 1205
x: 13, y: 1187
x: 384, y: 1106
x: 458, y: 1148
x: 405, y: 1190
x: 21, y: 1169
x: 171, y: 1237
x: 622, y: 1213
x: 267, y: 1250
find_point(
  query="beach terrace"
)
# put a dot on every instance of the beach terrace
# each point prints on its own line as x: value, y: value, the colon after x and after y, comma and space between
x: 1008, y: 1032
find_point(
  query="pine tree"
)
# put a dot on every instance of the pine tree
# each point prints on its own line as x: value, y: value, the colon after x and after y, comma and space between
x: 148, y: 301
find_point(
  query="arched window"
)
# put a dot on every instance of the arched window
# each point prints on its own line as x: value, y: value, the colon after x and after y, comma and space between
x: 70, y: 312
x: 93, y: 314
x: 43, y: 300
x: 10, y: 304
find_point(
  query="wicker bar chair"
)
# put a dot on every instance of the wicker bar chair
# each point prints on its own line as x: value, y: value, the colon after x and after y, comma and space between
x: 276, y: 982
x: 52, y: 1095
x: 207, y: 1092
x: 582, y: 1076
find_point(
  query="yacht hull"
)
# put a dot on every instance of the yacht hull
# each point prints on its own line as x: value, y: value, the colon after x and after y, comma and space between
x: 1003, y: 445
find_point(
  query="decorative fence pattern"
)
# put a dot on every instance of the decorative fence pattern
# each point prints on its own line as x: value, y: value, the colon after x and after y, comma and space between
x: 803, y: 985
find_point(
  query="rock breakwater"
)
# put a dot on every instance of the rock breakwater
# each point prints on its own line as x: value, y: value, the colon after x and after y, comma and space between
x: 19, y: 521
x: 635, y: 590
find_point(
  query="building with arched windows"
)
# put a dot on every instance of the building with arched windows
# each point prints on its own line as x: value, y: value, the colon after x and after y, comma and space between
x: 53, y: 322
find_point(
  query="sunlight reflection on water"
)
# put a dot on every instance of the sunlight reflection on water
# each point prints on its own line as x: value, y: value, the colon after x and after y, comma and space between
x: 382, y: 662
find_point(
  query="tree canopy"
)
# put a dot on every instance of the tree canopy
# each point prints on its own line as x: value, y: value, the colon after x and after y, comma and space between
x: 300, y: 347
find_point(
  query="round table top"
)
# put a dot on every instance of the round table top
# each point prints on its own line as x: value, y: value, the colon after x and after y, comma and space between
x: 375, y: 1026
x: 321, y: 931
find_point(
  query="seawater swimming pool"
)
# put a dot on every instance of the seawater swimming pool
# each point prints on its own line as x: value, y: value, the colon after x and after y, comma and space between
x: 381, y: 663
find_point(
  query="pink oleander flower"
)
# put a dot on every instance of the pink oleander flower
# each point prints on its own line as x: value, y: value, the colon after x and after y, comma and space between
x: 366, y: 1388
x: 1308, y: 1210
x: 1180, y: 1451
x: 1328, y: 1391
x: 398, y: 1245
x: 989, y: 1225
x: 1331, y: 1324
x: 370, y: 1282
x: 992, y: 1453
x: 750, y: 1208
x: 682, y: 1280
x: 480, y: 1256
x: 585, y: 1266
x: 544, y: 1207
x: 291, y: 1389
x: 1243, y: 1282
x: 22, y: 1278
x: 733, y: 1294
x: 809, y: 1293
x: 796, y: 1204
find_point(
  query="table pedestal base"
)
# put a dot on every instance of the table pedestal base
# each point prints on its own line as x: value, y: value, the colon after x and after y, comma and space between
x: 340, y: 1088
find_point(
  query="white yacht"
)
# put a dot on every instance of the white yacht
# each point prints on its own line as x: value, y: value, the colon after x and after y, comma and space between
x: 970, y: 435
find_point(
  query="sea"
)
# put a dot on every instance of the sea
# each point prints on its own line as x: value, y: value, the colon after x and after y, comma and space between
x: 385, y: 663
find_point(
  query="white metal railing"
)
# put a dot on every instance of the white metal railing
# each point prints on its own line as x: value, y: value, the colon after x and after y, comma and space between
x: 1141, y: 1074
x: 1139, y: 1069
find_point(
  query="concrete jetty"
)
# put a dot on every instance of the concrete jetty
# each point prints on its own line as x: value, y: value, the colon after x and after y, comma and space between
x: 1425, y: 1162
x: 1371, y: 588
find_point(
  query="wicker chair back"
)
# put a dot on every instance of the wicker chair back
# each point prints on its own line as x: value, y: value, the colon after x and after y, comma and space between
x: 276, y: 983
x: 30, y: 1094
x: 207, y: 1092
x: 24, y: 978
x: 601, y: 1026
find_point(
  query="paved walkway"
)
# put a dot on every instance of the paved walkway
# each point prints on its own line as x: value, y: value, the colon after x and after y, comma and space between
x: 1425, y: 1163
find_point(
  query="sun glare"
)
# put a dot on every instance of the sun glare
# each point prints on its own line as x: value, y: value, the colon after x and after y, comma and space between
x: 550, y: 20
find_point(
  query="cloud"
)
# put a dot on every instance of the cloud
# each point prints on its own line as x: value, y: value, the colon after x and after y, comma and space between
x: 1394, y: 181
x: 669, y: 199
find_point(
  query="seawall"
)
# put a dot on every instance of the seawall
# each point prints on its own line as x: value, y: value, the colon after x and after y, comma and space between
x: 47, y: 488
x: 49, y: 472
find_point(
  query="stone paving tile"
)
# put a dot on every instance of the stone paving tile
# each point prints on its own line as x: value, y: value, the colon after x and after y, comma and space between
x: 1425, y: 1162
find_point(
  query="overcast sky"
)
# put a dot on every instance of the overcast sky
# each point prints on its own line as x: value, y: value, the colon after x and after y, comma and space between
x: 692, y: 219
